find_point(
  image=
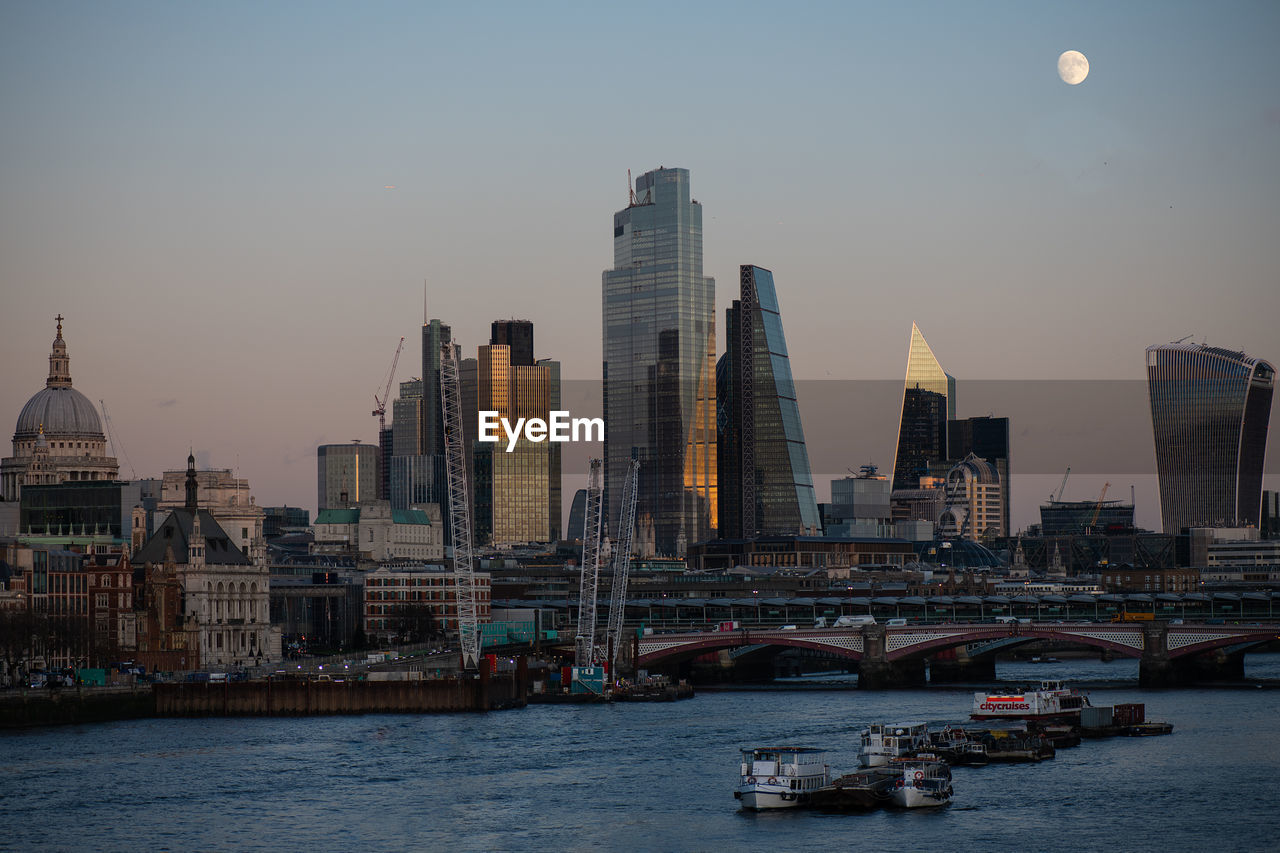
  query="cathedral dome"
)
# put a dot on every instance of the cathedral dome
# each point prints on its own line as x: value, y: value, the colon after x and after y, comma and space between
x: 62, y: 411
x: 59, y: 408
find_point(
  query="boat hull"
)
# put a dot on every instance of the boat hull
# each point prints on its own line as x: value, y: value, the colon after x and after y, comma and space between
x: 758, y: 798
x: 915, y: 798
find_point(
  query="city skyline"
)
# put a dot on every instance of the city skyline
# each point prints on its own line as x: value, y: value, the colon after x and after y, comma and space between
x: 214, y: 223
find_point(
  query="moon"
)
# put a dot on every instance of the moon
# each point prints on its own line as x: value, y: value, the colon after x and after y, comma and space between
x: 1073, y: 67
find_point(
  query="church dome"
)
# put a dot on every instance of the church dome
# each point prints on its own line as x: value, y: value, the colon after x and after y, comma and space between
x: 59, y: 408
x: 62, y: 411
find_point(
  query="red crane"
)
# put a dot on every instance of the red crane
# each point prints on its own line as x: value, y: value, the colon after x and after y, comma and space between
x: 380, y: 405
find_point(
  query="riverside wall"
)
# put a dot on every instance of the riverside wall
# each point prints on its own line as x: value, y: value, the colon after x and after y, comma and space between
x: 267, y: 698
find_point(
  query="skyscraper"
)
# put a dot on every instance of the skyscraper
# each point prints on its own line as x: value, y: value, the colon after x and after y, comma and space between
x: 766, y: 484
x: 659, y: 363
x: 517, y: 493
x: 928, y: 401
x: 1210, y: 408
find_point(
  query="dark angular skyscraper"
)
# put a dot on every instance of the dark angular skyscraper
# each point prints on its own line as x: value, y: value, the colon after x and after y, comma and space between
x: 659, y: 363
x: 928, y: 402
x: 766, y: 487
x: 1210, y: 408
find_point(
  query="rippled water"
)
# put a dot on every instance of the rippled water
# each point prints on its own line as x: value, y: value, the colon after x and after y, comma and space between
x: 638, y: 776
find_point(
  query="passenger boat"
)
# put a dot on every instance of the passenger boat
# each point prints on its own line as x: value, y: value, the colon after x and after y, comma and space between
x: 925, y: 781
x: 781, y: 777
x: 1053, y: 701
x: 882, y: 743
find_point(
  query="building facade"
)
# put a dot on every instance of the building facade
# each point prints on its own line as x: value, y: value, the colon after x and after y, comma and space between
x: 58, y: 437
x: 345, y: 474
x: 224, y: 607
x: 399, y: 600
x: 928, y: 403
x: 659, y: 363
x: 373, y: 530
x: 975, y: 501
x: 228, y: 499
x: 1210, y: 409
x: 516, y: 494
x: 987, y: 438
x: 764, y: 481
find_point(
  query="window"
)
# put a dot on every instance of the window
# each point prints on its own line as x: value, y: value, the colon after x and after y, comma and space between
x: 102, y: 600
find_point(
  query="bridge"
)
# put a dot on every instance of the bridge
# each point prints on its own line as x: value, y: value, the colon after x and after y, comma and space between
x: 895, y: 656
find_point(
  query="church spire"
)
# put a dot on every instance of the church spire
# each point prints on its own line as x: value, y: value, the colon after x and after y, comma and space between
x: 59, y: 363
x: 191, y: 482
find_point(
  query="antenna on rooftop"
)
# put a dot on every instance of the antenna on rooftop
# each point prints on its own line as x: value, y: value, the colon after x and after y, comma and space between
x: 631, y: 191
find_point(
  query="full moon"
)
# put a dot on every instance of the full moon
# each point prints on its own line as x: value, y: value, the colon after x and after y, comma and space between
x: 1073, y: 67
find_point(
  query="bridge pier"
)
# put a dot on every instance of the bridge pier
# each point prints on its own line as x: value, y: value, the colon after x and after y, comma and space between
x: 877, y: 672
x: 1158, y: 669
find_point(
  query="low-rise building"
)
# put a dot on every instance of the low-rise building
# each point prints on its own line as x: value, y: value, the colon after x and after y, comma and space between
x: 400, y: 600
x: 372, y: 530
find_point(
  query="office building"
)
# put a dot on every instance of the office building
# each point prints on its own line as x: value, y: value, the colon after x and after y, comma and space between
x: 987, y: 438
x: 517, y: 489
x: 1210, y: 408
x: 765, y: 484
x: 928, y: 403
x: 659, y: 363
x: 345, y: 474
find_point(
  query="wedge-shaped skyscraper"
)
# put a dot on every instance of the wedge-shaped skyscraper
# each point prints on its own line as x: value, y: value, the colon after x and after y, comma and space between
x: 766, y: 487
x: 1210, y: 408
x: 928, y: 401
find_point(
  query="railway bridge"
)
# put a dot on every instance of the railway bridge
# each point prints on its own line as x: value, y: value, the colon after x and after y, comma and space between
x: 1169, y: 654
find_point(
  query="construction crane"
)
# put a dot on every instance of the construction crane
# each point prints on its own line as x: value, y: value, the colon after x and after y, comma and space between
x: 1097, y: 509
x: 1062, y: 488
x: 380, y: 405
x: 592, y: 529
x: 115, y: 442
x: 459, y: 509
x: 622, y: 564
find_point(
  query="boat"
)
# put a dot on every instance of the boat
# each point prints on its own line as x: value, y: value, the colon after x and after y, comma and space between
x: 1052, y: 701
x: 924, y: 782
x: 882, y: 743
x: 958, y: 748
x: 864, y: 790
x: 781, y: 777
x: 1148, y: 729
x: 1015, y: 745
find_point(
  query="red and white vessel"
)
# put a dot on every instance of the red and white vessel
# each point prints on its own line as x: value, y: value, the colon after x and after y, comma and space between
x: 1053, y: 701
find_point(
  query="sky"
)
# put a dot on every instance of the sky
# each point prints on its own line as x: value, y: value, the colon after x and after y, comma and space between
x: 202, y: 190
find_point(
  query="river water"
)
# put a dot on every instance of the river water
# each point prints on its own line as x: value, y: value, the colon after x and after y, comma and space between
x: 640, y: 777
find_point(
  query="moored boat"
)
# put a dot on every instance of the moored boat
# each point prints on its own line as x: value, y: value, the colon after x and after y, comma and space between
x: 865, y: 790
x: 781, y: 777
x: 958, y: 748
x: 924, y: 782
x: 883, y: 743
x: 1052, y: 701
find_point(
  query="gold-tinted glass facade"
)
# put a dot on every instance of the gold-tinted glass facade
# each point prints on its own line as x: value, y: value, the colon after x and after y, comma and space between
x: 928, y: 401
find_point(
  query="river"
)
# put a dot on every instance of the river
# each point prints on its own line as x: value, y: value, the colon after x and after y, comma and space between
x: 640, y: 777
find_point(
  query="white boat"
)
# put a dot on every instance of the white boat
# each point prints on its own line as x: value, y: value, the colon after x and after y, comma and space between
x: 1053, y: 701
x: 781, y: 777
x: 925, y: 782
x: 882, y: 743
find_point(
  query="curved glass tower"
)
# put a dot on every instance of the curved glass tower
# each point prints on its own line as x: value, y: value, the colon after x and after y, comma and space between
x: 1210, y: 408
x: 659, y: 363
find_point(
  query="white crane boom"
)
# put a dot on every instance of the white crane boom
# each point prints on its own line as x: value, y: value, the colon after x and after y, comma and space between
x: 459, y: 510
x: 584, y: 642
x: 622, y: 565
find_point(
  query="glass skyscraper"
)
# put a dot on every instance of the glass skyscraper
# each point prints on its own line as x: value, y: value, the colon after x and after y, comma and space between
x: 659, y: 363
x: 766, y: 484
x: 928, y: 401
x: 1210, y: 408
